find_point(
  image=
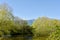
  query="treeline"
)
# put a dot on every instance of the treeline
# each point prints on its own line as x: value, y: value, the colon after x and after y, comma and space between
x: 12, y: 26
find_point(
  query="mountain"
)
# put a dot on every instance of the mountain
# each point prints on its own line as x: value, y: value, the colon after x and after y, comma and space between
x: 30, y: 21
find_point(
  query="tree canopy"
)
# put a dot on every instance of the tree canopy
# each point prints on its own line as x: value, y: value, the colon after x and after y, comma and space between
x: 43, y: 26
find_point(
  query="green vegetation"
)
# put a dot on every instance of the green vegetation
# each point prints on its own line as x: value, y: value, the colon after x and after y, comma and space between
x: 43, y: 26
x: 14, y: 28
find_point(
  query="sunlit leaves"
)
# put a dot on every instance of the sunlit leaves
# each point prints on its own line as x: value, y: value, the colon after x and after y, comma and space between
x: 5, y: 12
x: 43, y: 26
x: 6, y: 19
x: 56, y: 34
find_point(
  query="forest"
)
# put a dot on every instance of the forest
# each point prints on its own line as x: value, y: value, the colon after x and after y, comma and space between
x: 15, y: 28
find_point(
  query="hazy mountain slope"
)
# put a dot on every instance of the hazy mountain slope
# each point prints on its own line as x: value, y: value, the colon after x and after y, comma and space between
x: 30, y: 21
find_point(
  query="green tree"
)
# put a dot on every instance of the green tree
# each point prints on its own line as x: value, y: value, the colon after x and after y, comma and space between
x: 21, y: 27
x: 56, y: 34
x: 6, y: 19
x: 43, y: 26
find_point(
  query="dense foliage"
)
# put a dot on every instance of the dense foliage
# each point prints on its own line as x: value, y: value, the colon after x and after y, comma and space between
x: 56, y: 34
x: 12, y: 26
x: 43, y: 26
x: 46, y: 29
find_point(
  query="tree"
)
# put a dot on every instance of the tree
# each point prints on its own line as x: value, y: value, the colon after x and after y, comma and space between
x: 43, y: 26
x: 21, y: 27
x: 56, y: 34
x: 6, y: 12
x: 6, y: 19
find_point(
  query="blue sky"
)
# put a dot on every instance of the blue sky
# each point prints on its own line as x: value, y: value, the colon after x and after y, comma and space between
x: 32, y: 9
